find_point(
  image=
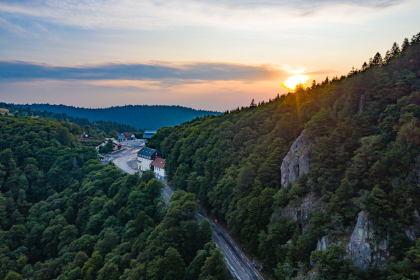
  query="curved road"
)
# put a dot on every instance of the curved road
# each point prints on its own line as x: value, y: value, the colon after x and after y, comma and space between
x: 238, y: 265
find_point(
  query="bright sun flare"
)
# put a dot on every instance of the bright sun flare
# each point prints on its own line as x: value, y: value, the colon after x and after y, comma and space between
x: 293, y: 81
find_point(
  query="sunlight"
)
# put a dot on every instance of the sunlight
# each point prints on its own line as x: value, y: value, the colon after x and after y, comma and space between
x: 293, y: 81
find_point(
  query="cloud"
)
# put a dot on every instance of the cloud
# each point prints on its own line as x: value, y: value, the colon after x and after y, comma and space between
x: 11, y: 26
x: 171, y: 72
x: 147, y: 14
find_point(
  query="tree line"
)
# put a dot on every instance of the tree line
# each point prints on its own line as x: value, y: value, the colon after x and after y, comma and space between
x: 97, y: 129
x: 366, y: 130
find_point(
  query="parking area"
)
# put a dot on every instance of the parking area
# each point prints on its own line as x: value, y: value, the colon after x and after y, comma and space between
x: 133, y: 143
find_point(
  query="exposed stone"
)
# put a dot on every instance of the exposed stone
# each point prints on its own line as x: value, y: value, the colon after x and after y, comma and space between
x: 308, y: 203
x: 360, y: 104
x: 296, y: 162
x: 322, y: 243
x: 363, y: 248
x: 413, y: 231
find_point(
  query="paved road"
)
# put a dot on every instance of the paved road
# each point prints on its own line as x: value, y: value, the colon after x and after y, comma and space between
x: 121, y: 161
x: 238, y: 264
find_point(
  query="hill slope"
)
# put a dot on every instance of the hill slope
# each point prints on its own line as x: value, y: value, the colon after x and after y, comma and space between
x: 139, y: 116
x: 335, y: 164
x: 95, y: 128
x: 63, y: 215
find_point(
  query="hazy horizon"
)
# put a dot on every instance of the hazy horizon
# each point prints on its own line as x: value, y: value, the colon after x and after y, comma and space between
x: 80, y: 107
x: 208, y: 55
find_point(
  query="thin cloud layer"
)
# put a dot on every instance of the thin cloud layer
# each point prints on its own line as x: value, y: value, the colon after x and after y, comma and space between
x: 132, y: 14
x: 18, y: 70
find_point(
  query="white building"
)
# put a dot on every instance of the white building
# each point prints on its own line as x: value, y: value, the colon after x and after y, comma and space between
x: 158, y: 166
x: 145, y: 157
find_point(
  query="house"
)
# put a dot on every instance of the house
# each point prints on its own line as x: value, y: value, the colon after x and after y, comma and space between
x: 129, y: 136
x: 158, y: 167
x: 124, y: 136
x: 145, y: 157
x: 148, y: 134
x: 121, y: 138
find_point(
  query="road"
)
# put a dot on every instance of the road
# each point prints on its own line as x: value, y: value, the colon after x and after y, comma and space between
x: 237, y: 262
x: 121, y: 161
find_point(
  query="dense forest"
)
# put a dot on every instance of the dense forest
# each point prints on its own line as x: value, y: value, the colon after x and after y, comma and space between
x: 138, y: 116
x: 97, y: 129
x: 364, y: 135
x: 63, y: 215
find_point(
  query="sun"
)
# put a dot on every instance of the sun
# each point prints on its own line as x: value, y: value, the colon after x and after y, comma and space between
x: 293, y: 81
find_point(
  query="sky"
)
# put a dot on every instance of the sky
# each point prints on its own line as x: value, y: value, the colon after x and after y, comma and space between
x: 212, y: 55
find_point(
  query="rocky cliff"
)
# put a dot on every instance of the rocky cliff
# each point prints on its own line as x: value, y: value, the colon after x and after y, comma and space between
x: 413, y: 231
x: 364, y: 247
x: 296, y: 162
x: 301, y: 211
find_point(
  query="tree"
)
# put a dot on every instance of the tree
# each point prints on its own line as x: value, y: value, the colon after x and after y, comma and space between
x: 174, y: 265
x: 194, y: 269
x: 13, y: 276
x: 378, y: 203
x: 68, y: 235
x: 109, y: 272
x: 395, y: 50
x: 405, y: 44
x: 215, y: 266
x: 377, y: 60
x: 64, y: 136
x: 92, y: 266
x: 321, y: 123
x: 253, y: 103
x: 332, y: 263
x: 205, y: 232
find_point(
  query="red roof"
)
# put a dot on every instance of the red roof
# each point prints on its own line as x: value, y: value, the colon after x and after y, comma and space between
x: 159, y: 162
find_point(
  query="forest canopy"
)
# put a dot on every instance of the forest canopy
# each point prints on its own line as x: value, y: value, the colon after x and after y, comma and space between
x: 365, y: 130
x: 63, y: 215
x: 138, y: 116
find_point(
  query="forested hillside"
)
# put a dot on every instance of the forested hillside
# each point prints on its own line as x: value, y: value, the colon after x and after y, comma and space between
x: 348, y: 187
x: 96, y: 129
x: 63, y: 215
x: 138, y: 116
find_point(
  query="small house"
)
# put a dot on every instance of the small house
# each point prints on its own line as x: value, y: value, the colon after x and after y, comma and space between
x: 145, y: 157
x: 121, y: 138
x: 158, y: 167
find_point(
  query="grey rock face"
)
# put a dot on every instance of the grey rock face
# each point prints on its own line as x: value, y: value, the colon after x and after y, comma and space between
x: 363, y: 248
x: 413, y: 231
x: 300, y: 212
x: 323, y: 243
x: 296, y: 162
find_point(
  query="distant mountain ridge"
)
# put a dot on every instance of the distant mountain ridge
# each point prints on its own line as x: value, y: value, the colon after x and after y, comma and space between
x: 139, y: 116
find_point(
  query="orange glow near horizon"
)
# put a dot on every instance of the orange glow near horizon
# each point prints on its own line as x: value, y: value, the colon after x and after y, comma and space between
x: 293, y: 81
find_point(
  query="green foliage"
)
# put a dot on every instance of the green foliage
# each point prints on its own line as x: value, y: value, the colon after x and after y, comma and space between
x: 365, y: 128
x: 215, y: 266
x: 332, y: 263
x: 321, y: 123
x: 138, y: 116
x: 77, y: 125
x: 63, y: 215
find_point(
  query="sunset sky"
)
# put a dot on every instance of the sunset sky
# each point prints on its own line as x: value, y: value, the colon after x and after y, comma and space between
x: 213, y: 55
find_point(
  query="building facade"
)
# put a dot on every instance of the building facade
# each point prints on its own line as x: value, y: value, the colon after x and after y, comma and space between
x: 158, y: 167
x: 145, y: 157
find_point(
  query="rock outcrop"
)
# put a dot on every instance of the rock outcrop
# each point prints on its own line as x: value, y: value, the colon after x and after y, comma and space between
x: 300, y: 212
x: 363, y: 247
x: 296, y: 162
x: 413, y: 231
x: 323, y: 243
